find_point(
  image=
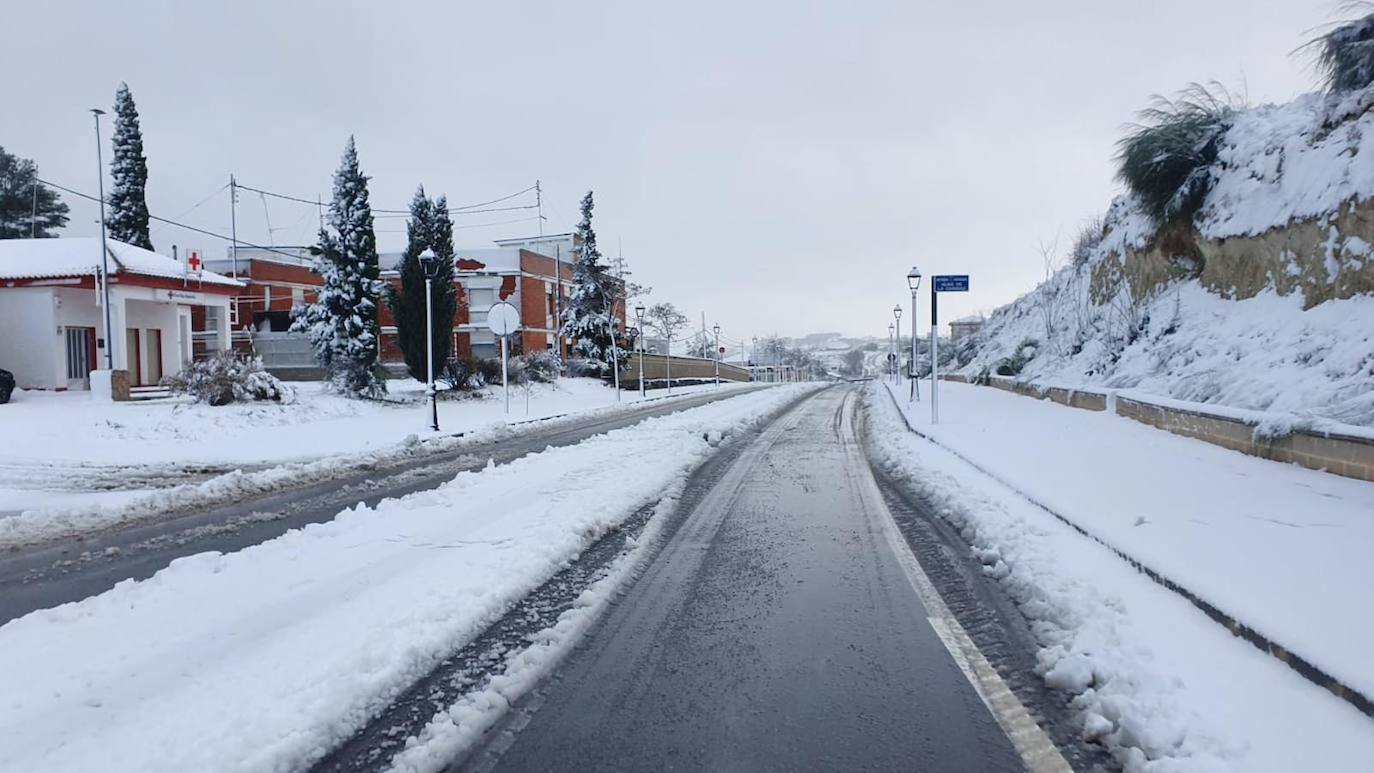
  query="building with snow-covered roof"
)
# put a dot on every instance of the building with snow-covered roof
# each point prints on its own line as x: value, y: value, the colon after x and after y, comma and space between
x: 52, y: 324
x: 965, y: 326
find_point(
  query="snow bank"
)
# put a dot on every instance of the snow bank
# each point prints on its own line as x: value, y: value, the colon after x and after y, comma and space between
x: 1278, y: 547
x: 1295, y: 161
x: 68, y: 515
x: 1263, y: 354
x: 265, y: 658
x: 1153, y: 679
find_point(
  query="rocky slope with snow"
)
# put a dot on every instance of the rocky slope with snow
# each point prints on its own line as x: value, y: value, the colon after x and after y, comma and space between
x: 1264, y: 302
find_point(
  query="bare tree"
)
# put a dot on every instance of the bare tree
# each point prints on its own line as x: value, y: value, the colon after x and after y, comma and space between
x: 665, y: 320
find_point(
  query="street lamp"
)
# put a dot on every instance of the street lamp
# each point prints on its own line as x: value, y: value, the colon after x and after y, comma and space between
x: 897, y: 363
x: 104, y: 252
x: 913, y: 281
x: 639, y: 320
x: 753, y: 356
x: 891, y: 346
x: 716, y: 328
x: 429, y: 265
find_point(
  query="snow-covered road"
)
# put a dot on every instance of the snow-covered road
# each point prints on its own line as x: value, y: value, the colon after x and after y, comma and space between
x: 70, y: 569
x: 265, y: 658
x: 777, y: 629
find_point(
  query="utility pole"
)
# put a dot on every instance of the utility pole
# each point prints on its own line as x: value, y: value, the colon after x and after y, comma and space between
x: 33, y: 218
x: 558, y: 300
x: 717, y: 354
x: 234, y: 225
x: 104, y: 251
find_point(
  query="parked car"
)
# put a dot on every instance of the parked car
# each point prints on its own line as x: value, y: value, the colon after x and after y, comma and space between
x: 6, y: 386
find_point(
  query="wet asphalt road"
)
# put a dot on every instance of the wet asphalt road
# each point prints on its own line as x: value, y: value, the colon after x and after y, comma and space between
x: 48, y: 575
x: 775, y: 630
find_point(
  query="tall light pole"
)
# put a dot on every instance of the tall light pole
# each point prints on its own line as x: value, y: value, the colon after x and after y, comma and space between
x: 639, y: 320
x: 429, y: 264
x: 104, y: 253
x: 897, y: 363
x: 716, y: 330
x: 913, y: 281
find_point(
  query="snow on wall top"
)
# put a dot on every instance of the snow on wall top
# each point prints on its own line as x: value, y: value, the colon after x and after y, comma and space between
x: 1298, y: 160
x: 53, y: 258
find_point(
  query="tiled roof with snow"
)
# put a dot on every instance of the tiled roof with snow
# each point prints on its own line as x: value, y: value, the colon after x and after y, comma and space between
x: 55, y: 258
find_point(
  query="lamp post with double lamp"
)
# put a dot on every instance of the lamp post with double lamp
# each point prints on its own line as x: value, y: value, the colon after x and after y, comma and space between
x: 913, y: 281
x: 897, y: 362
x: 104, y: 253
x: 429, y: 266
x: 639, y: 320
x: 716, y: 330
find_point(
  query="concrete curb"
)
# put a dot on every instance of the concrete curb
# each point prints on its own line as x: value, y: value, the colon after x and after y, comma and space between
x: 1303, y: 667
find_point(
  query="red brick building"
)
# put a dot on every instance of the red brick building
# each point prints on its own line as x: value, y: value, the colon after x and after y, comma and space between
x: 535, y: 274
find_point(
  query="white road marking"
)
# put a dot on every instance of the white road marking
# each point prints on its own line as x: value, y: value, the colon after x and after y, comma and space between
x: 1034, y: 746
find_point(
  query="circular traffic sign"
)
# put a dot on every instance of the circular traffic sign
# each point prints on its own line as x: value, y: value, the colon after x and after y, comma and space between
x: 503, y: 318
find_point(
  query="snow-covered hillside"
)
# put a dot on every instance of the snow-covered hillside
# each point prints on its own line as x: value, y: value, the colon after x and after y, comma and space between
x: 1264, y: 303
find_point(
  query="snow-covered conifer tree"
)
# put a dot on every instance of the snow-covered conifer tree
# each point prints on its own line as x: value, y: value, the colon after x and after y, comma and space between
x: 342, y: 322
x: 429, y: 227
x: 589, y: 316
x: 127, y: 218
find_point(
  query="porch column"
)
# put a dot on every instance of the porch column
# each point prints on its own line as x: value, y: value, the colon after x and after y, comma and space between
x: 222, y: 334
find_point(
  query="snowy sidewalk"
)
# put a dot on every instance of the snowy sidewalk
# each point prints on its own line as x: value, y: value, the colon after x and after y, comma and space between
x: 1282, y: 549
x: 1152, y: 679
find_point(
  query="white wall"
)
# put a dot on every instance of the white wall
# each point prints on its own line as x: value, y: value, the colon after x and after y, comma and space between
x: 30, y: 346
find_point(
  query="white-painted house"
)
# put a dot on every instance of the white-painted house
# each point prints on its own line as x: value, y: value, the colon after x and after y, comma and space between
x: 52, y: 325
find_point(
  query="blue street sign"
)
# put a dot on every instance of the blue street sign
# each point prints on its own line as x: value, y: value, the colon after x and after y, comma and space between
x: 951, y: 283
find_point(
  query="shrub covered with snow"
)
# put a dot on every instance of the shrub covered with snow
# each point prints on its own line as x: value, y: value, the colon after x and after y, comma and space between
x: 541, y: 367
x: 1166, y: 159
x: 228, y: 377
x: 1345, y: 55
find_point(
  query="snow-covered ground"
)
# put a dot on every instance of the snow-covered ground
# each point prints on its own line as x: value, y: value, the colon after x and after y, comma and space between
x: 263, y: 659
x: 1281, y: 548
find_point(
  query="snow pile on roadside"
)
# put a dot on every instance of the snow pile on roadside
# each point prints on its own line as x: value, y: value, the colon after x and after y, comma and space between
x: 266, y: 658
x: 1154, y: 680
x: 105, y: 510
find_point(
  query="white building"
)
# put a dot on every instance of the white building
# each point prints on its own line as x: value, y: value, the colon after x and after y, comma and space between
x: 52, y: 324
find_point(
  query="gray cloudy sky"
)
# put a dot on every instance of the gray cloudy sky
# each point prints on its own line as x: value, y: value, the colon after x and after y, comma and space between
x: 777, y: 165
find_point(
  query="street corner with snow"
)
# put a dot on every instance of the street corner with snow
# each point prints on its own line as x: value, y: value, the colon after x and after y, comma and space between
x: 700, y: 387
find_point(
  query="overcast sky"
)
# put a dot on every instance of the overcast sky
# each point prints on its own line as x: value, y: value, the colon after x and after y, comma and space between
x: 776, y: 165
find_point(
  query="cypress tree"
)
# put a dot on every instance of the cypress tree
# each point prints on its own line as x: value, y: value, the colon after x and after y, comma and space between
x: 127, y: 219
x: 588, y: 319
x: 342, y: 322
x: 429, y: 227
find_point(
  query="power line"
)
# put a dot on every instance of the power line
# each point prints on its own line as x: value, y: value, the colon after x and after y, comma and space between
x: 464, y: 209
x: 89, y: 197
x: 387, y: 214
